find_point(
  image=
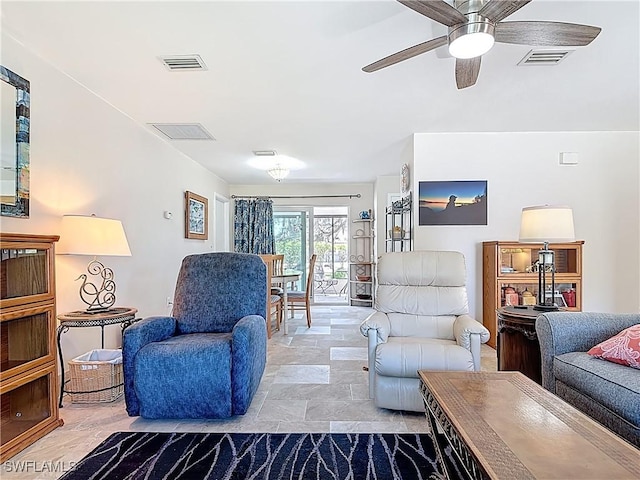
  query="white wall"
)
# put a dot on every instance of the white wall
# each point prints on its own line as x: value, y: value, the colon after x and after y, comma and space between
x: 522, y: 169
x: 87, y: 157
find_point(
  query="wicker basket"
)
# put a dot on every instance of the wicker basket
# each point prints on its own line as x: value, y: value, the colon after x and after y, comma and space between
x: 96, y: 376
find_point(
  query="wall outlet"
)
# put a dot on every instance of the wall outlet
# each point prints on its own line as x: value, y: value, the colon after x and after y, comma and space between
x: 169, y: 302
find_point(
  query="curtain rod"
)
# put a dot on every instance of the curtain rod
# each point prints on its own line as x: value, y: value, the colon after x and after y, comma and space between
x: 347, y: 195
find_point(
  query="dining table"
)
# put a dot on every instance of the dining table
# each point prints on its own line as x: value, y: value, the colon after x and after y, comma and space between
x: 288, y: 277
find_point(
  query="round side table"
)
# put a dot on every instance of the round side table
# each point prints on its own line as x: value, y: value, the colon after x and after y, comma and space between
x: 123, y: 316
x: 518, y: 346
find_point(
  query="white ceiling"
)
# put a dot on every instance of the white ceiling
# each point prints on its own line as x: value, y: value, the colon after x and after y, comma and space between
x: 287, y: 76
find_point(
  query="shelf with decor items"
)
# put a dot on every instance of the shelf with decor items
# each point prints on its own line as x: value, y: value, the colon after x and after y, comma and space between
x: 361, y: 265
x: 398, y: 228
x: 510, y: 277
x: 28, y: 371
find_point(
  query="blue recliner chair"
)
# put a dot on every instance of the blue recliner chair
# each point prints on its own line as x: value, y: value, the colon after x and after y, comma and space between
x: 206, y: 360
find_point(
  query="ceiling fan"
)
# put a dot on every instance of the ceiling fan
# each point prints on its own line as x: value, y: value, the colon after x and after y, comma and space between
x: 474, y: 26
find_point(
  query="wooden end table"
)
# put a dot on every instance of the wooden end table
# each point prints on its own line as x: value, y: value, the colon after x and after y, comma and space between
x: 518, y: 347
x: 502, y: 425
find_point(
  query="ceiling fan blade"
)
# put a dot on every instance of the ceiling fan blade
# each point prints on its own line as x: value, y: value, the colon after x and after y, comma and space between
x: 406, y: 54
x: 497, y: 10
x: 467, y: 71
x: 437, y: 10
x: 546, y: 33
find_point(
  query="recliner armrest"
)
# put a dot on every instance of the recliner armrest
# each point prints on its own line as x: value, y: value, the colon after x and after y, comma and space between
x: 464, y: 326
x: 249, y: 329
x: 136, y: 336
x: 376, y: 328
x: 379, y: 322
x: 248, y: 359
x: 470, y: 334
x: 150, y: 329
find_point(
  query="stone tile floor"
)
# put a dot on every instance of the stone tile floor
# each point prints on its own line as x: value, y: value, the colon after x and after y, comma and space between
x: 313, y: 382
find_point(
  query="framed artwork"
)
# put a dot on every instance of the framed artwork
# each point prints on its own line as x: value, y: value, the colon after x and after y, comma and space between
x: 196, y: 216
x: 461, y: 202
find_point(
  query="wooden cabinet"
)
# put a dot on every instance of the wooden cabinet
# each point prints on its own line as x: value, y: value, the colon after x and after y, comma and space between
x: 399, y: 231
x: 28, y: 371
x: 361, y: 265
x: 509, y: 277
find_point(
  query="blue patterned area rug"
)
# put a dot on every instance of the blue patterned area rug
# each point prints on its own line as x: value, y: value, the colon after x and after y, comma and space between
x: 258, y: 456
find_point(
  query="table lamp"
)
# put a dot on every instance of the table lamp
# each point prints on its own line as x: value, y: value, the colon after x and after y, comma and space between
x: 91, y: 235
x: 546, y: 224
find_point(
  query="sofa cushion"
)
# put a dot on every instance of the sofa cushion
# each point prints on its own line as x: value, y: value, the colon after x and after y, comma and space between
x: 616, y: 387
x: 404, y: 356
x: 186, y: 376
x: 623, y: 348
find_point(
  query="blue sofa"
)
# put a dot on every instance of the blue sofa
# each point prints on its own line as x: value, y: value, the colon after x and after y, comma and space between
x: 207, y: 359
x: 606, y: 391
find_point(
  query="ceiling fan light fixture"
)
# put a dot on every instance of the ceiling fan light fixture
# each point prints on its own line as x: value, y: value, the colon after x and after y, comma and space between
x: 471, y: 39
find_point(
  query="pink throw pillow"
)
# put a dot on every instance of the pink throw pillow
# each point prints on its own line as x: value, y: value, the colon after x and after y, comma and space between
x: 623, y: 348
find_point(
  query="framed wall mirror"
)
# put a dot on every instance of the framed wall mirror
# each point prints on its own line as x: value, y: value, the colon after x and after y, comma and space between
x: 14, y: 152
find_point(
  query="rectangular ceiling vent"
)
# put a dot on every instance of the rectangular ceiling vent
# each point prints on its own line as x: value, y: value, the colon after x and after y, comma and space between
x: 264, y: 153
x: 183, y: 131
x: 183, y: 63
x: 544, y: 57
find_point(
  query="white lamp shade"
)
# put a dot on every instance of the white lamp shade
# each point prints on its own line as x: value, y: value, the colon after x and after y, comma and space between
x: 84, y: 235
x: 547, y: 223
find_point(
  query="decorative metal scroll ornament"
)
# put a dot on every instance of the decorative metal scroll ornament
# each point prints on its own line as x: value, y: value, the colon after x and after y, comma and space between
x: 98, y: 299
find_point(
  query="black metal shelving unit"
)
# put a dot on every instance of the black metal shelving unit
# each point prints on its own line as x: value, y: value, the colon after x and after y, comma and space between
x: 399, y: 228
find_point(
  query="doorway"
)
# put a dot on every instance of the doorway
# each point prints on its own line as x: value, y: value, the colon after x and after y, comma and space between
x: 300, y: 232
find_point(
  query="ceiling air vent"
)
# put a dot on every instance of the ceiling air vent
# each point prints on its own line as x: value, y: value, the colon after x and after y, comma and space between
x: 183, y: 131
x: 183, y: 63
x: 544, y: 57
x: 264, y: 153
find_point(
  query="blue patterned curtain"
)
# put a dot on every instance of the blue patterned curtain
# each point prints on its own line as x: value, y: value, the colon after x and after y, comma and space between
x: 253, y: 226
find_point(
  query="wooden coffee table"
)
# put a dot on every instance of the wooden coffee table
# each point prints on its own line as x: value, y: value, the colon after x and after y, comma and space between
x: 504, y: 425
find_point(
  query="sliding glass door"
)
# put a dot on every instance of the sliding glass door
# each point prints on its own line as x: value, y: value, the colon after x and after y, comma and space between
x: 330, y: 243
x: 291, y: 232
x: 300, y: 232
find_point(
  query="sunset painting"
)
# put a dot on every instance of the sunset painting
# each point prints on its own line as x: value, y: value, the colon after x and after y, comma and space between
x: 453, y: 203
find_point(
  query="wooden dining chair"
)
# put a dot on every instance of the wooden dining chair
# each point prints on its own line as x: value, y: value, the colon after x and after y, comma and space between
x: 278, y: 264
x: 274, y: 294
x: 298, y: 300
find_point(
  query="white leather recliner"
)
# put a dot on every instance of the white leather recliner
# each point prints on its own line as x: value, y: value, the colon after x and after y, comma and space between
x: 421, y: 323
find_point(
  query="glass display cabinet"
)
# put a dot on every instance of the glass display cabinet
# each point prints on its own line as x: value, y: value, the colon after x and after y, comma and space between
x: 28, y: 371
x: 510, y: 277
